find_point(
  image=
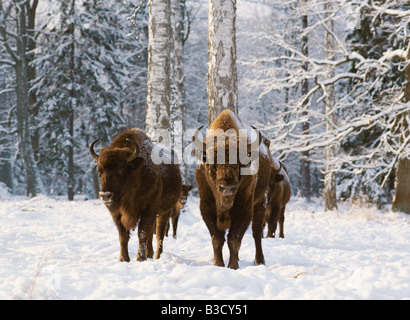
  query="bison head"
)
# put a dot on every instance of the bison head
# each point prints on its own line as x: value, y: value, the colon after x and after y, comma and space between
x: 225, y: 176
x: 184, y: 194
x: 116, y: 167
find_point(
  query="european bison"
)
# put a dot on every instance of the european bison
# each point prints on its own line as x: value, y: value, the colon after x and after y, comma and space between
x: 135, y: 190
x: 230, y: 199
x: 278, y: 197
x: 177, y: 209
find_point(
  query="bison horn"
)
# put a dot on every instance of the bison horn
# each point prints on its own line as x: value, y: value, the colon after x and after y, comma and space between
x: 93, y: 153
x: 259, y: 136
x: 198, y: 145
x: 136, y: 150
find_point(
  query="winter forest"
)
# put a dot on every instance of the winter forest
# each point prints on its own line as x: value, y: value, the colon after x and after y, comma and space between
x: 327, y: 81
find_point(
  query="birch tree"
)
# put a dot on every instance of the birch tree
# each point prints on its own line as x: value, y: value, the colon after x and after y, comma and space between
x: 222, y: 73
x: 305, y: 160
x: 15, y: 42
x: 367, y: 74
x: 159, y: 67
x: 180, y: 35
x: 330, y: 118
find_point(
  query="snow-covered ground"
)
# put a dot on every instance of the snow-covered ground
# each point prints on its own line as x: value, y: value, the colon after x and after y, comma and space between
x: 55, y: 249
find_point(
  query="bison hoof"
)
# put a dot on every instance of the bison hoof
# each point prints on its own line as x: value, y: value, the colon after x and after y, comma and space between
x: 219, y: 263
x: 259, y: 262
x: 122, y: 259
x: 140, y: 259
x: 233, y: 266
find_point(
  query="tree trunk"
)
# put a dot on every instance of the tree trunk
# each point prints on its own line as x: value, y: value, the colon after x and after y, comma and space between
x: 71, y: 107
x: 31, y: 73
x: 178, y: 8
x: 159, y: 68
x: 401, y: 201
x: 304, y: 160
x: 6, y: 152
x: 330, y: 152
x: 34, y: 183
x: 222, y: 74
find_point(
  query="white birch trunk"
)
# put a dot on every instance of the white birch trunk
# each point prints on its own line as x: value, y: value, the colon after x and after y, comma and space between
x: 159, y: 68
x: 178, y: 8
x: 222, y: 74
x: 330, y: 152
x: 305, y: 155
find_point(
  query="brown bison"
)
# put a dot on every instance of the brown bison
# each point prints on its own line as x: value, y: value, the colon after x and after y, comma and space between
x: 176, y: 211
x: 135, y: 190
x: 230, y: 199
x: 278, y: 197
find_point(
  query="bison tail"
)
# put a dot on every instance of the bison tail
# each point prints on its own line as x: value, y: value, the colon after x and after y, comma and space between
x: 223, y: 221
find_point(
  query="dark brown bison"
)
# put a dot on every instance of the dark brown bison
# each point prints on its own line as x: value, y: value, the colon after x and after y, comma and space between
x: 278, y: 197
x: 135, y: 190
x: 177, y: 209
x: 230, y: 199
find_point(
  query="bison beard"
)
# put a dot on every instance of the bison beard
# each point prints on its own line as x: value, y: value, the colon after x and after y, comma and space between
x: 137, y: 191
x: 229, y: 199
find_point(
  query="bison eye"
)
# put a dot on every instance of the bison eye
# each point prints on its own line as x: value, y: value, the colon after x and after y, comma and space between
x: 123, y: 172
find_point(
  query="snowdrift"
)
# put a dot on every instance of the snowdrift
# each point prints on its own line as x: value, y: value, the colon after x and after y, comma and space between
x: 55, y: 249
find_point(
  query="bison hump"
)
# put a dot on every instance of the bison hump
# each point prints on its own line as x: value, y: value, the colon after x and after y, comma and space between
x: 227, y: 119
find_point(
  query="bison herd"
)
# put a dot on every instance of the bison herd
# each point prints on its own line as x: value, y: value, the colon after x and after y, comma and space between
x: 238, y: 181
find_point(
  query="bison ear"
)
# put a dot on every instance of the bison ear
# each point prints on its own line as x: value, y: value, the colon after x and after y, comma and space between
x: 135, y: 163
x: 279, y: 177
x: 190, y: 187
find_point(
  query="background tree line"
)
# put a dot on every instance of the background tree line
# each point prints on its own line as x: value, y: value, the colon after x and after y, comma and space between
x: 327, y: 81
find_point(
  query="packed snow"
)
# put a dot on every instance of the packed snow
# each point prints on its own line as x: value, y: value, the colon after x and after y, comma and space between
x: 55, y: 249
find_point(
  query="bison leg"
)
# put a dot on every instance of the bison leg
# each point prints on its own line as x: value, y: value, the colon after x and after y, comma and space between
x: 241, y: 215
x: 145, y: 232
x: 208, y: 213
x: 273, y: 221
x: 124, y: 236
x: 257, y: 232
x: 217, y: 236
x: 150, y: 250
x: 236, y: 232
x: 162, y: 221
x: 281, y: 221
x: 234, y: 244
x: 175, y: 224
x: 218, y: 240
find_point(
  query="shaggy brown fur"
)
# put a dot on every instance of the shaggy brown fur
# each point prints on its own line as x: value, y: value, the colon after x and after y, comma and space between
x: 177, y: 209
x: 278, y: 197
x: 135, y: 190
x: 231, y: 200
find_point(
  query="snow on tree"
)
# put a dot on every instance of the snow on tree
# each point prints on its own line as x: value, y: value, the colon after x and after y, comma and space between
x: 367, y: 101
x: 331, y: 97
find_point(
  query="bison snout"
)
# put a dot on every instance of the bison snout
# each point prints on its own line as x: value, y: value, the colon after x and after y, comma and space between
x: 107, y: 197
x: 227, y: 190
